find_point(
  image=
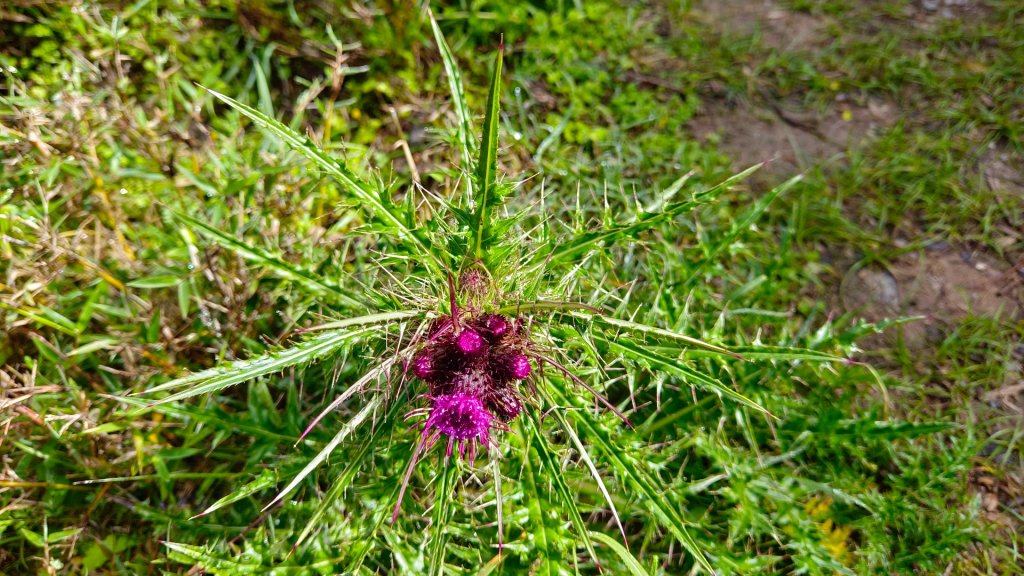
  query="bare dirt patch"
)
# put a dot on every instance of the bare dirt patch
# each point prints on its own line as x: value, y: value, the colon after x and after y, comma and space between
x: 777, y: 27
x: 1003, y: 171
x: 941, y: 285
x: 792, y: 138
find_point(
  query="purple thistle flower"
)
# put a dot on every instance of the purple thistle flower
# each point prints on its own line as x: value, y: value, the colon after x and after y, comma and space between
x: 473, y: 376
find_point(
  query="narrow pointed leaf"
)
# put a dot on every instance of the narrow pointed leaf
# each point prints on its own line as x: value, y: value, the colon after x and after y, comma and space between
x: 780, y: 353
x: 487, y: 164
x: 355, y: 185
x: 444, y: 493
x: 632, y: 564
x: 346, y: 429
x: 656, y: 332
x: 676, y: 367
x: 463, y: 118
x: 661, y: 507
x: 216, y: 379
x: 381, y: 318
x: 556, y: 476
x: 587, y: 241
x: 278, y: 266
x: 548, y: 563
x: 265, y: 480
x: 585, y: 456
x: 343, y: 481
x: 741, y: 225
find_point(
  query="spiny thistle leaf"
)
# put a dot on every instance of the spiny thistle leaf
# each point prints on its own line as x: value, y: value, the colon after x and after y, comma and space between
x: 379, y: 204
x: 309, y: 350
x: 780, y: 353
x: 280, y: 267
x: 741, y: 225
x: 532, y: 430
x: 346, y: 429
x: 661, y: 507
x: 487, y: 164
x: 592, y: 240
x: 585, y: 456
x: 341, y: 483
x: 216, y: 379
x: 657, y: 333
x: 676, y: 367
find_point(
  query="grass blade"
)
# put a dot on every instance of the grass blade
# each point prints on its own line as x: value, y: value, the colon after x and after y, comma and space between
x: 632, y: 564
x: 464, y: 121
x: 487, y: 164
x: 354, y: 184
x: 280, y: 267
x: 265, y: 480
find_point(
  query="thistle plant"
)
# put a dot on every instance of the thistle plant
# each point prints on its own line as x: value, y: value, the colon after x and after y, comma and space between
x: 478, y: 358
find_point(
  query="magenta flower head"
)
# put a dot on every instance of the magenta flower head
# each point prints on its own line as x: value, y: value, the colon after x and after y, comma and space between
x: 461, y: 417
x: 471, y: 343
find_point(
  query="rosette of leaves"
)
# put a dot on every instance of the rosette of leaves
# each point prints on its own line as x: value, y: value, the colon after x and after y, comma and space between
x: 545, y: 410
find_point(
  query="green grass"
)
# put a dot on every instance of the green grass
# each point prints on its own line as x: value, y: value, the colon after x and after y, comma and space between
x: 149, y: 231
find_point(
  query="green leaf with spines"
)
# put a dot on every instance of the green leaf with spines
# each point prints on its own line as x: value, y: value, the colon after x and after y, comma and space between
x: 343, y: 432
x: 278, y: 266
x: 661, y: 507
x: 556, y: 476
x: 487, y: 164
x: 593, y: 240
x: 380, y: 206
x: 641, y: 353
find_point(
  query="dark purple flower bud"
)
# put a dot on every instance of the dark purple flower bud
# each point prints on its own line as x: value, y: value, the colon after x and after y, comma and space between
x: 423, y: 365
x: 471, y: 343
x: 505, y: 403
x: 496, y: 326
x: 518, y: 366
